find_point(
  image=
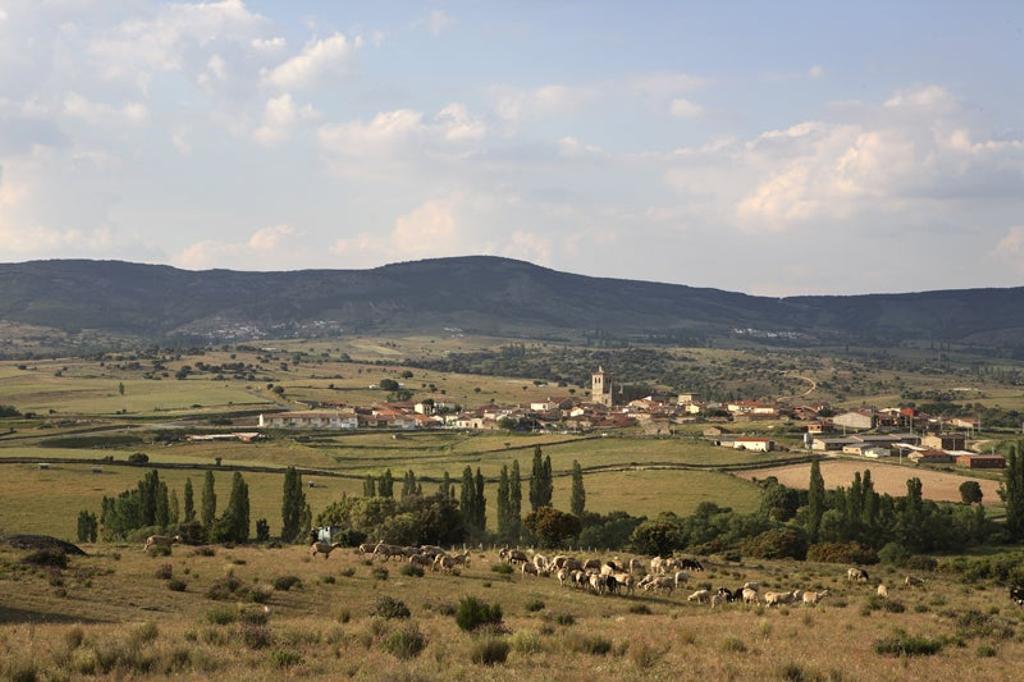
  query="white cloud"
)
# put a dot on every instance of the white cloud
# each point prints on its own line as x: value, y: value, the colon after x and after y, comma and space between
x: 216, y: 72
x: 438, y: 22
x: 933, y: 98
x: 138, y: 47
x: 527, y: 245
x: 318, y: 59
x: 816, y: 71
x: 270, y: 246
x: 279, y: 116
x: 1011, y: 247
x: 684, y: 108
x: 514, y: 104
x: 98, y: 113
x: 269, y: 45
x: 429, y: 229
x: 458, y: 124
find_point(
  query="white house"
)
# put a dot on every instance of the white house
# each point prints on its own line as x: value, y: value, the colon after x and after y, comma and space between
x: 753, y: 444
x: 312, y: 419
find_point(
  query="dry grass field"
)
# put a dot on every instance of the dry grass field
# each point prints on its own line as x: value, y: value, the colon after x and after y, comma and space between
x: 113, y: 615
x: 888, y: 478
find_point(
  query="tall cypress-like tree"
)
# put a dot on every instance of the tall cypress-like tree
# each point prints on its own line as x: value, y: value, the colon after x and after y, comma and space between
x: 515, y: 503
x: 547, y: 488
x: 480, y: 503
x: 503, y: 520
x: 293, y: 502
x: 536, y: 480
x: 408, y: 484
x: 162, y: 513
x: 815, y: 502
x: 190, y: 504
x: 1012, y: 492
x: 578, y: 502
x: 369, y: 486
x: 467, y: 497
x: 209, y: 501
x: 386, y: 485
x: 174, y: 510
x: 446, y: 488
x: 870, y: 511
x: 237, y: 513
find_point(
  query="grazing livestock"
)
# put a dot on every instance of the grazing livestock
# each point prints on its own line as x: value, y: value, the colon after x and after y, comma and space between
x: 540, y: 562
x: 718, y: 600
x: 161, y: 541
x: 777, y: 598
x: 725, y: 594
x: 882, y: 591
x: 461, y: 559
x: 661, y: 584
x: 598, y: 583
x: 812, y: 598
x: 635, y: 565
x: 592, y: 565
x: 1017, y: 594
x: 529, y: 569
x: 421, y: 560
x: 680, y: 577
x: 366, y: 548
x: 858, y: 575
x: 625, y: 580
x: 516, y: 556
x: 913, y: 581
x: 558, y: 561
x: 324, y: 548
x: 691, y: 565
x: 752, y: 585
x: 749, y: 595
x: 700, y: 596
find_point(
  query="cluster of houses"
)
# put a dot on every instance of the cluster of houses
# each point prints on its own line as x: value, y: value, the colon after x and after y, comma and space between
x: 874, y: 434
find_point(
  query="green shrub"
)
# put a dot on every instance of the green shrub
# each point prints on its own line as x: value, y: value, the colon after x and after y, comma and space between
x: 894, y: 606
x: 253, y: 616
x: 224, y: 588
x: 534, y: 605
x: 411, y: 570
x: 565, y: 619
x: 640, y: 609
x: 503, y: 569
x: 379, y: 573
x: 405, y: 643
x: 842, y: 553
x: 388, y: 607
x: 902, y: 644
x: 793, y: 672
x: 222, y: 615
x: 285, y: 658
x: 489, y: 651
x: 525, y: 642
x: 778, y: 543
x: 645, y: 655
x: 735, y: 645
x: 48, y: 556
x: 589, y: 644
x: 256, y: 636
x: 473, y: 613
x: 894, y: 553
x: 986, y: 651
x: 348, y: 572
x: 284, y: 583
x: 165, y: 572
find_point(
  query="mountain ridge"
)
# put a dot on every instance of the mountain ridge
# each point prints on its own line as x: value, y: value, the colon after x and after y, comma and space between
x: 479, y: 294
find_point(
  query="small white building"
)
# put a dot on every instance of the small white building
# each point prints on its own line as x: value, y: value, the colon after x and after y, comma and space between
x: 753, y: 444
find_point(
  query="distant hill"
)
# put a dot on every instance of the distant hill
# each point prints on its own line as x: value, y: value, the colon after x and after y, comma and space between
x: 477, y: 294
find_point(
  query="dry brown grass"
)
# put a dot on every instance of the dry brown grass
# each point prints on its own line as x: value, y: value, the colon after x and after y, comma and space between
x: 105, y: 624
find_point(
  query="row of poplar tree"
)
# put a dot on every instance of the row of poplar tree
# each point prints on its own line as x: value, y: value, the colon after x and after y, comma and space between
x: 472, y: 494
x: 151, y: 505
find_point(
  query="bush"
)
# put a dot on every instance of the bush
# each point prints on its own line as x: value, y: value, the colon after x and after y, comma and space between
x: 489, y: 651
x: 379, y: 573
x: 411, y: 570
x: 221, y: 615
x: 503, y: 569
x: 645, y: 655
x: 920, y: 562
x: 986, y: 651
x: 778, y: 543
x: 138, y: 458
x: 348, y: 572
x: 388, y: 607
x: 405, y: 643
x: 894, y: 606
x: 175, y: 585
x: 158, y: 551
x: 285, y: 658
x: 534, y: 605
x: 473, y: 613
x: 256, y: 636
x: 165, y: 572
x: 894, y: 553
x: 902, y: 644
x: 47, y: 556
x: 793, y: 672
x: 204, y: 551
x: 223, y: 589
x: 640, y: 609
x: 733, y: 644
x: 588, y: 644
x: 842, y: 553
x: 565, y: 619
x: 284, y: 583
x: 525, y: 642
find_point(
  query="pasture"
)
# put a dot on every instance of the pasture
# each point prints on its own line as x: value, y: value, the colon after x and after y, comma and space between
x: 112, y: 614
x: 941, y: 486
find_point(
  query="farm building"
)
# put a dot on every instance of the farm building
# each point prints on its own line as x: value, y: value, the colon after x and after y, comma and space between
x: 855, y: 420
x: 971, y: 460
x: 311, y: 419
x: 945, y: 441
x: 750, y: 443
x: 930, y: 456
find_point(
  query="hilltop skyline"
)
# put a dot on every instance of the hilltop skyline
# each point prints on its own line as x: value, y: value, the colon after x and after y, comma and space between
x: 774, y: 150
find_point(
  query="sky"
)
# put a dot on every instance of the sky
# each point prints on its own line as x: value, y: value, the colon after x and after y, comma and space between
x: 775, y: 148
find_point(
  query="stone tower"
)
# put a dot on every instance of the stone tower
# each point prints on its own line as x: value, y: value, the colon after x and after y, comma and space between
x: 601, y: 388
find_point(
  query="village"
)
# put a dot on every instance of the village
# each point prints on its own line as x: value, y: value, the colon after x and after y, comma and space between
x: 872, y: 433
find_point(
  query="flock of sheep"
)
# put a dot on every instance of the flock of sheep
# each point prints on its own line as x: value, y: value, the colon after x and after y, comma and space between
x: 659, y: 574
